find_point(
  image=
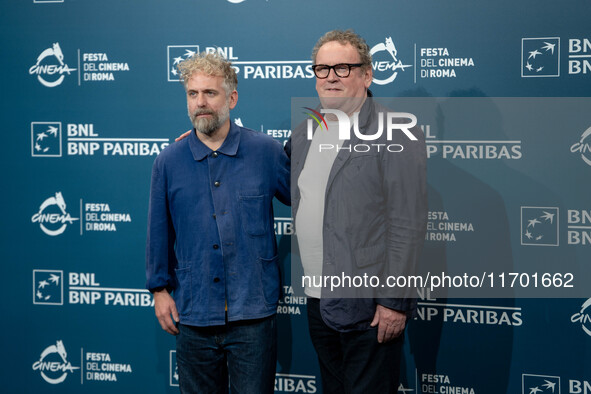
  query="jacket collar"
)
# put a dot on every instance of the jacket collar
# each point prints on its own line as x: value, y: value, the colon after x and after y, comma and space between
x: 229, y: 146
x: 366, y: 111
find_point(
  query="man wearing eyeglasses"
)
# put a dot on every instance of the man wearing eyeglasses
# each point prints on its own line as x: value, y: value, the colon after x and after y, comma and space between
x: 355, y: 212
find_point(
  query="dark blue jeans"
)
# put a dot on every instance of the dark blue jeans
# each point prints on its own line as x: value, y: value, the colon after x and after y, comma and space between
x: 239, y: 357
x: 354, y: 362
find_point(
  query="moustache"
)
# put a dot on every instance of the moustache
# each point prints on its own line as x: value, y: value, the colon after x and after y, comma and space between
x: 202, y: 112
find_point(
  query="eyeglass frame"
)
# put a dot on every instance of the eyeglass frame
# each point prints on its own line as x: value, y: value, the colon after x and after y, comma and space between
x: 349, y: 65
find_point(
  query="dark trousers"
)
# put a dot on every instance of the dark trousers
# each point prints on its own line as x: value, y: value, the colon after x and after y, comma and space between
x: 354, y: 362
x: 242, y: 353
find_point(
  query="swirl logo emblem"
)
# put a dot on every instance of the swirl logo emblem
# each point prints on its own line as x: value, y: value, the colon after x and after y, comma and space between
x: 49, y: 216
x: 583, y: 317
x: 386, y: 68
x: 53, y: 364
x: 582, y: 147
x: 47, y: 71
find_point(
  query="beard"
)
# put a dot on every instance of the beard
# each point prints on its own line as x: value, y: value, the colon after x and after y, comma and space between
x: 208, y: 126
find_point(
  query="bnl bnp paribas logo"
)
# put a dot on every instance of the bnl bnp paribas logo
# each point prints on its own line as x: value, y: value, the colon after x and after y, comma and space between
x: 173, y: 371
x: 83, y: 139
x: 48, y: 287
x: 540, y: 384
x: 46, y: 139
x: 540, y: 57
x: 177, y: 54
x: 245, y: 69
x: 540, y: 226
x: 386, y: 63
x: 53, y: 364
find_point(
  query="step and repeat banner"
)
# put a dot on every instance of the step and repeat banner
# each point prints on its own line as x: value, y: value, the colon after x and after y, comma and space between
x: 90, y: 96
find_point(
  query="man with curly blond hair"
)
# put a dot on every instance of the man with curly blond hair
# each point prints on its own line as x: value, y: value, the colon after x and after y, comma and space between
x: 211, y: 256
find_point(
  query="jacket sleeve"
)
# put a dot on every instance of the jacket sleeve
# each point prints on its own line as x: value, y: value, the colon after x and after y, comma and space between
x: 404, y: 182
x: 283, y: 163
x: 160, y: 255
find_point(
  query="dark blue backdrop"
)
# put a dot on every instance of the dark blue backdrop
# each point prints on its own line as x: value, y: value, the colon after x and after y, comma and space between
x: 89, y: 99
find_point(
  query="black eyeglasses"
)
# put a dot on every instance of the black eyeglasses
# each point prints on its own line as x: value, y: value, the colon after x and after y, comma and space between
x: 341, y: 70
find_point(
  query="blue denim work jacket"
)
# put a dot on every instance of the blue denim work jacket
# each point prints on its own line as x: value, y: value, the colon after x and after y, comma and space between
x: 210, y: 226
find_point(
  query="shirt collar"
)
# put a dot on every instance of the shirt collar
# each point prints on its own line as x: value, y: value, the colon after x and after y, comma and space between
x: 229, y: 146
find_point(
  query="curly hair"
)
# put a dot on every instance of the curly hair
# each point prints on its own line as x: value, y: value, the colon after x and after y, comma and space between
x: 209, y: 64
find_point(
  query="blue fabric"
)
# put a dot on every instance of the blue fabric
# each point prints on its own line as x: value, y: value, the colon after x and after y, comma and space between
x: 243, y: 353
x: 210, y: 226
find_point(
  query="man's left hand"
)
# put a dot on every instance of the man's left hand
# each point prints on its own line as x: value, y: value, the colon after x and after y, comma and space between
x: 390, y: 323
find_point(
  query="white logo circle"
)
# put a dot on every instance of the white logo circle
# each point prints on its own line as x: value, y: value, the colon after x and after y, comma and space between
x: 53, y: 218
x: 54, y: 366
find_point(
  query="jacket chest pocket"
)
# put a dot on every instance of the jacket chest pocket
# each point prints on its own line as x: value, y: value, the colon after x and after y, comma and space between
x: 361, y: 169
x: 254, y: 213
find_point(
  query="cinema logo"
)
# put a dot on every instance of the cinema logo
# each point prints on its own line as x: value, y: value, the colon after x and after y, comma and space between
x: 290, y: 304
x: 98, y: 67
x: 395, y: 121
x: 53, y: 364
x: 53, y: 218
x: 98, y: 366
x: 583, y: 147
x: 245, y: 69
x: 439, y: 63
x: 441, y: 383
x: 430, y: 62
x: 583, y: 317
x: 441, y: 228
x: 50, y: 68
x: 385, y: 63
